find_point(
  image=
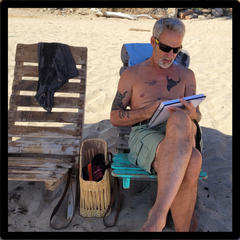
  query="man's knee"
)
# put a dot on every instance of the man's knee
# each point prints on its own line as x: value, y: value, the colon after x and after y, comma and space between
x: 194, y: 166
x: 179, y: 121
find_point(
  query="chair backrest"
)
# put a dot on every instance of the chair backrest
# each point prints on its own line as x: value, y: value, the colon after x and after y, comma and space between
x: 122, y: 139
x: 182, y: 58
x: 42, y: 132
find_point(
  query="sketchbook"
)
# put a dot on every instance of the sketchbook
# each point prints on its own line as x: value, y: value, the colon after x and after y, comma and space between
x: 161, y: 114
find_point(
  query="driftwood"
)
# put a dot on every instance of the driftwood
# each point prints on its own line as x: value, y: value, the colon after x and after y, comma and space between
x: 137, y: 29
x: 123, y: 15
x: 157, y: 16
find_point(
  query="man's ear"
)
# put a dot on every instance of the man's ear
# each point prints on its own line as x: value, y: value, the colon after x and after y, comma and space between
x: 152, y: 40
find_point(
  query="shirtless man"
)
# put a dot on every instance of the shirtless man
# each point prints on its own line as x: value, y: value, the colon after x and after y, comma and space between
x: 170, y: 148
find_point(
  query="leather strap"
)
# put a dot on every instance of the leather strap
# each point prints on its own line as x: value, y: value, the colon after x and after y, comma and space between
x: 116, y: 190
x: 69, y: 181
x: 140, y: 123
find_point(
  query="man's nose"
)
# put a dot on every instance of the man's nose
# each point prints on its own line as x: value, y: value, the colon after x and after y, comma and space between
x: 170, y: 54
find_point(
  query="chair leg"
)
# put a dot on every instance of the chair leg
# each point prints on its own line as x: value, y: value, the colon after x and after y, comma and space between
x: 126, y: 183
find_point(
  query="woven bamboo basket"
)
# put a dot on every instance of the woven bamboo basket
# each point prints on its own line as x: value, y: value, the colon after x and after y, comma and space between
x: 94, y: 196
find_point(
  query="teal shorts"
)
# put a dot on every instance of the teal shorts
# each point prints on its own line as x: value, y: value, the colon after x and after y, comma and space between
x: 143, y: 142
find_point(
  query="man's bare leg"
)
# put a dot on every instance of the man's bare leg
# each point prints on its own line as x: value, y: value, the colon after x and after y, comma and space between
x: 172, y: 157
x: 183, y: 205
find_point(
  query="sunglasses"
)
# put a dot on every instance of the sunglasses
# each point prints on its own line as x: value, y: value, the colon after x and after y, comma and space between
x: 166, y: 48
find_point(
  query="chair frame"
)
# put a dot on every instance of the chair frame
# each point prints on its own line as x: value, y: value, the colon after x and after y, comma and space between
x: 43, y: 153
x: 121, y: 167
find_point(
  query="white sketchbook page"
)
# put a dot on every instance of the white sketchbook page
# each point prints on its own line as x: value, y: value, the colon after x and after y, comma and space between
x: 163, y: 116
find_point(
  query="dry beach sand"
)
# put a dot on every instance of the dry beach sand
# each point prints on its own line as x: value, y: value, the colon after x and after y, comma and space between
x: 209, y: 43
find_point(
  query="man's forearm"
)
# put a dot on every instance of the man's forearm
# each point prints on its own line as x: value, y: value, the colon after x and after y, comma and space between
x: 121, y: 117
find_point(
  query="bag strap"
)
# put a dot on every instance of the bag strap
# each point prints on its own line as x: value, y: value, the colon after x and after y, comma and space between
x: 69, y: 181
x: 116, y: 190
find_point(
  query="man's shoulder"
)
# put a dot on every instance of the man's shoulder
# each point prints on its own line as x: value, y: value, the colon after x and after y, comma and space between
x: 131, y: 71
x: 189, y: 76
x: 187, y: 72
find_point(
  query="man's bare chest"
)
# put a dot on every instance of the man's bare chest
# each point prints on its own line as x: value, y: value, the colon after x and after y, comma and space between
x: 152, y: 87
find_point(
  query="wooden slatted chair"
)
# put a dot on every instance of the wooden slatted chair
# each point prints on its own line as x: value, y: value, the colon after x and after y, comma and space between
x: 41, y: 144
x: 121, y: 167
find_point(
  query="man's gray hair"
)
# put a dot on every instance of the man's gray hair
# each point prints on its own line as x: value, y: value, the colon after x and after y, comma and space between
x: 175, y: 25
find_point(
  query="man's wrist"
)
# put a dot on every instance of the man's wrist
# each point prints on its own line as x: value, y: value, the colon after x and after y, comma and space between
x: 198, y: 116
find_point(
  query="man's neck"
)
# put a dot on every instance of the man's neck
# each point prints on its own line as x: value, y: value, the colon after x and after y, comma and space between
x: 158, y: 68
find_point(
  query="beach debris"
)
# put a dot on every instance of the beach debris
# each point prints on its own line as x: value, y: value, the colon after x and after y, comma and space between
x: 190, y: 16
x: 156, y: 16
x: 138, y: 29
x: 158, y: 13
x: 184, y: 13
x: 96, y: 11
x: 151, y: 13
x: 172, y: 12
x: 123, y: 15
x: 217, y: 12
x: 201, y: 17
x: 206, y: 10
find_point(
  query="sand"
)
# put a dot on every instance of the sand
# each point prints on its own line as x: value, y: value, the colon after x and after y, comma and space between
x: 209, y: 43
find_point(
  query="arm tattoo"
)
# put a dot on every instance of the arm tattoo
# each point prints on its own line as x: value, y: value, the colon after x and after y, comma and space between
x: 122, y: 114
x: 193, y: 89
x: 117, y: 103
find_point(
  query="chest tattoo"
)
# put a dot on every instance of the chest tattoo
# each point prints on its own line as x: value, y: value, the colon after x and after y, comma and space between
x: 171, y: 83
x: 153, y: 82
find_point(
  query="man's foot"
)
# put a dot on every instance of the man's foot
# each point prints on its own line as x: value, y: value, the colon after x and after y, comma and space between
x: 155, y: 222
x: 193, y: 224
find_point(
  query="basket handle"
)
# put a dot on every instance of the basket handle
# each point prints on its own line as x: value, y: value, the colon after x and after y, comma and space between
x: 111, y: 155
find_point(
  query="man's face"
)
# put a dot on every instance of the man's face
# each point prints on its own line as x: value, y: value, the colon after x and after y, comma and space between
x: 171, y: 39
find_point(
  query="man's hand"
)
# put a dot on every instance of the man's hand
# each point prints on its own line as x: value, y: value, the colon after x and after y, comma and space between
x: 188, y: 109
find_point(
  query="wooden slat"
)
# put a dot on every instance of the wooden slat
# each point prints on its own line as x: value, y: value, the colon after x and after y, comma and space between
x: 135, y: 173
x: 44, y: 147
x: 32, y: 71
x: 28, y: 53
x: 122, y: 142
x: 29, y: 85
x: 123, y: 165
x: 30, y: 116
x: 59, y: 102
x: 44, y: 132
x: 49, y: 177
x: 54, y: 170
x: 39, y: 162
x: 124, y: 130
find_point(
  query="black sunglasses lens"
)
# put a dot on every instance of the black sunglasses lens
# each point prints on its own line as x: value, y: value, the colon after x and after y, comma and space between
x: 164, y: 48
x: 167, y: 49
x: 175, y: 50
